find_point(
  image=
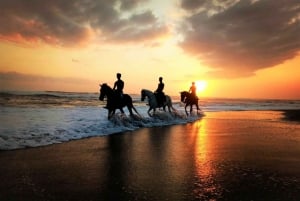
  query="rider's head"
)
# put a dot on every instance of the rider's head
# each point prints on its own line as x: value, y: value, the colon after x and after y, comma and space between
x: 193, y: 83
x: 160, y: 79
x: 118, y: 75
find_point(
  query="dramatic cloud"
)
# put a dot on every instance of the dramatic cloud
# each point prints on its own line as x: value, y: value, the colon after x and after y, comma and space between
x: 239, y: 37
x: 192, y: 4
x: 74, y: 22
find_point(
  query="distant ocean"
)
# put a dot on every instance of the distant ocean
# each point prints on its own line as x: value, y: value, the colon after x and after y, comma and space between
x: 32, y: 119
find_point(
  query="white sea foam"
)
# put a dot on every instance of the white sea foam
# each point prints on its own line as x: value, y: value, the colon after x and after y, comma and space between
x: 42, y: 118
x: 31, y: 127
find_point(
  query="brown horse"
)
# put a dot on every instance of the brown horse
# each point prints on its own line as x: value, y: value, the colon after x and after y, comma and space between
x: 189, y: 100
x: 115, y: 101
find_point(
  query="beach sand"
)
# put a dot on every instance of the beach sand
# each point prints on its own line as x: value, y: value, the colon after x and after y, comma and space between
x: 253, y: 155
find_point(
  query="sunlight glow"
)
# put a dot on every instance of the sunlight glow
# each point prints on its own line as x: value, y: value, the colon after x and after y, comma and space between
x: 201, y: 85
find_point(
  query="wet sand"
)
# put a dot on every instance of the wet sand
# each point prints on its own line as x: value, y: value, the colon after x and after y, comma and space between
x: 224, y: 156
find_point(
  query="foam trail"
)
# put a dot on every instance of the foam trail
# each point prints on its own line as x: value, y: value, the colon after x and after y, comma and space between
x: 32, y: 119
x: 35, y: 126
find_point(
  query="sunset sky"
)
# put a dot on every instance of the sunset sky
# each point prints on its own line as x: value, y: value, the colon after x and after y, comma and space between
x: 239, y: 48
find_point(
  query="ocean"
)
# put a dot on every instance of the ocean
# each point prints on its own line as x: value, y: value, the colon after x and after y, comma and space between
x: 33, y: 119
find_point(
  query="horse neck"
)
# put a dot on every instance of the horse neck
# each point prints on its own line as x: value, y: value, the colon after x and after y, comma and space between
x: 187, y: 94
x: 109, y: 92
x: 149, y: 94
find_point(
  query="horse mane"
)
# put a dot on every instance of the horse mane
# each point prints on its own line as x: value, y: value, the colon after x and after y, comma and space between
x: 106, y: 85
x: 146, y: 90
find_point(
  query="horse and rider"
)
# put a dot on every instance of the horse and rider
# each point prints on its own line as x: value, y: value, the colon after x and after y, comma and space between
x: 159, y: 94
x: 157, y: 99
x: 115, y: 98
x: 190, y: 98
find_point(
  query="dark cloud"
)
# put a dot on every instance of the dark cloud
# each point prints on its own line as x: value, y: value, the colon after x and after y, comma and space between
x: 192, y: 4
x: 239, y: 37
x: 139, y: 27
x: 130, y: 4
x: 73, y: 22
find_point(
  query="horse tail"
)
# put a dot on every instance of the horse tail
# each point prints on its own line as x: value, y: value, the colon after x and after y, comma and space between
x: 127, y: 100
x: 130, y: 104
x: 171, y: 106
x: 136, y: 111
x: 169, y: 103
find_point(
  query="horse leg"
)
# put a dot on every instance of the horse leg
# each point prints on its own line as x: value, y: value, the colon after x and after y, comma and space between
x: 136, y: 111
x: 186, y: 110
x: 191, y: 108
x: 167, y: 105
x: 154, y: 110
x: 198, y: 109
x: 122, y: 111
x: 130, y: 110
x: 149, y: 111
x: 110, y: 113
x: 170, y: 106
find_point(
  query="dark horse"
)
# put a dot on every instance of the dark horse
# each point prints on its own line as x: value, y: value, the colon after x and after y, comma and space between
x: 115, y: 101
x: 189, y: 100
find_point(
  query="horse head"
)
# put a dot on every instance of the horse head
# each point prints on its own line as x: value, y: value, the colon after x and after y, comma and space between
x: 104, y: 91
x: 102, y: 95
x: 143, y: 95
x: 183, y: 95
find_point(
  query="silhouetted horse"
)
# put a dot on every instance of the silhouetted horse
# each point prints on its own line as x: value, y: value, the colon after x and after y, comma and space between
x: 115, y: 101
x: 189, y: 100
x: 152, y: 101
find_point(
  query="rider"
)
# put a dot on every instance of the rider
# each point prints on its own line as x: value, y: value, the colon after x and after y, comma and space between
x: 193, y: 90
x: 118, y: 86
x: 160, y: 96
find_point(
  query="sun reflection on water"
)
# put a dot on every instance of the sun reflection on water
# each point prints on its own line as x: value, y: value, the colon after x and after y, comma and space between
x: 201, y: 148
x: 206, y: 187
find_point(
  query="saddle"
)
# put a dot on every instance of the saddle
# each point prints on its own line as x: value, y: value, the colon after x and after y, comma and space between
x: 194, y: 97
x: 118, y: 97
x: 160, y: 98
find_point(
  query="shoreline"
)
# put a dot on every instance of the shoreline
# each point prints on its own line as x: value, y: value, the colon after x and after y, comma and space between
x: 223, y: 156
x: 290, y: 115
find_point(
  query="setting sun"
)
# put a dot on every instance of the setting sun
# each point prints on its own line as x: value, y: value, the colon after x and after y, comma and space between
x: 201, y: 85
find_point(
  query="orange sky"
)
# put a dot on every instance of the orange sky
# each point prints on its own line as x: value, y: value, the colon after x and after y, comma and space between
x: 238, y: 48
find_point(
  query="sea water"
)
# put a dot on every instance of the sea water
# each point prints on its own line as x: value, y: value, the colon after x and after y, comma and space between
x: 32, y: 119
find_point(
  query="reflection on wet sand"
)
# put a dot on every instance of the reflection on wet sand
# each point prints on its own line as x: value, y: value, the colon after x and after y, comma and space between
x: 205, y: 186
x: 224, y: 156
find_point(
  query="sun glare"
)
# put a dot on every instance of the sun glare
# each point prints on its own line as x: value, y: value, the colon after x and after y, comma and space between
x: 201, y: 85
